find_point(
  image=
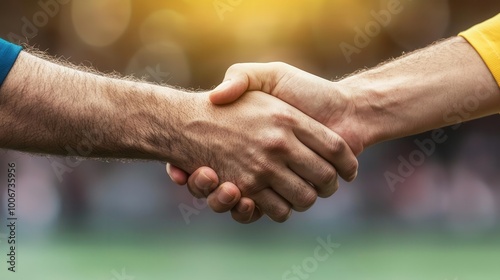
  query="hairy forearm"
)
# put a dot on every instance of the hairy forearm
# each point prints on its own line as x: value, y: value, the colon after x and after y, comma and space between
x: 441, y: 85
x: 49, y: 108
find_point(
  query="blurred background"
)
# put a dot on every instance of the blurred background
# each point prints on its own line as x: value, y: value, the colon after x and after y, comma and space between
x: 126, y: 220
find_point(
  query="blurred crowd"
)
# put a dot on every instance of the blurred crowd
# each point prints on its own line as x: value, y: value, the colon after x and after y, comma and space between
x: 190, y: 44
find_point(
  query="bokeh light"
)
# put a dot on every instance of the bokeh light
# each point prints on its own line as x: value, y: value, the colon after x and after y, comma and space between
x: 100, y: 23
x: 161, y: 62
x: 163, y: 25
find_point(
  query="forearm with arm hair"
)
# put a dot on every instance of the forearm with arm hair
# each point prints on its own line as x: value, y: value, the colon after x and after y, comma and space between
x: 49, y: 108
x: 443, y: 84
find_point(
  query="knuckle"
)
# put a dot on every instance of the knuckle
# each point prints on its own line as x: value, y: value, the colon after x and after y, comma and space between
x: 327, y: 177
x: 251, y: 190
x: 306, y: 200
x: 337, y: 144
x: 329, y: 191
x: 280, y: 214
x: 235, y: 67
x: 278, y: 65
x: 351, y: 169
x: 250, y: 185
x: 263, y: 168
x: 276, y: 142
x: 285, y: 116
x: 278, y: 70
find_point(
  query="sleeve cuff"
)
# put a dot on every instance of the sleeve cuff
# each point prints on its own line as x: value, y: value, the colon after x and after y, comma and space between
x: 8, y: 56
x: 485, y: 38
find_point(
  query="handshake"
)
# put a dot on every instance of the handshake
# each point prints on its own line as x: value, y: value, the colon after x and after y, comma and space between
x: 270, y: 139
x: 282, y: 138
x: 278, y: 137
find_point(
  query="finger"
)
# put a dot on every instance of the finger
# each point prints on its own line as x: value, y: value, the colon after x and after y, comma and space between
x: 273, y: 205
x: 177, y: 175
x: 244, y: 77
x: 224, y: 198
x: 325, y: 184
x: 298, y: 192
x: 229, y: 90
x: 245, y: 211
x: 315, y: 170
x: 202, y: 182
x: 330, y: 146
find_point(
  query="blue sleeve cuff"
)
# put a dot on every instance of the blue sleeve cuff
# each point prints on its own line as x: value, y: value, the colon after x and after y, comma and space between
x: 8, y: 55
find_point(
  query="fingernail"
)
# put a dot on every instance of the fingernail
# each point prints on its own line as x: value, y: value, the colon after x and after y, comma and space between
x: 223, y: 86
x: 203, y: 181
x: 224, y: 197
x: 243, y: 208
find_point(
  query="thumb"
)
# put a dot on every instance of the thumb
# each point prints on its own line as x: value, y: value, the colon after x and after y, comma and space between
x: 243, y: 77
x: 229, y: 90
x: 179, y: 176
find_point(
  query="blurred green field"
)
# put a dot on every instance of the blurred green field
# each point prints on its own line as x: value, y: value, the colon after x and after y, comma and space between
x: 181, y: 256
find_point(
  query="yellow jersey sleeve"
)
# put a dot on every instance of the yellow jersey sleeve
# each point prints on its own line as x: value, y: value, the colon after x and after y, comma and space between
x: 485, y: 38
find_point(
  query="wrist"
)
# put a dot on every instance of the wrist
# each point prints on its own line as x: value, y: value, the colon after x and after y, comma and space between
x: 356, y: 120
x: 176, y: 130
x: 147, y: 120
x: 422, y: 91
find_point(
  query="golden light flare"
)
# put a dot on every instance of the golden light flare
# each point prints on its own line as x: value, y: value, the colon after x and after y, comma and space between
x: 100, y: 23
x: 162, y: 62
x: 163, y: 25
x: 261, y: 22
x: 230, y: 31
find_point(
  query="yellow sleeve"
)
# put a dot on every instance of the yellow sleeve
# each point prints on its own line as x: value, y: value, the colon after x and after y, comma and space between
x: 485, y: 38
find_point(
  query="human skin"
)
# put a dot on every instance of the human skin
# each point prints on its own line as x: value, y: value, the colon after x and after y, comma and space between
x: 443, y: 84
x: 267, y: 147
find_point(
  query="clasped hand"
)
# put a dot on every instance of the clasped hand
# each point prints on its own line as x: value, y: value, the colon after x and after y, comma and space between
x: 288, y: 155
